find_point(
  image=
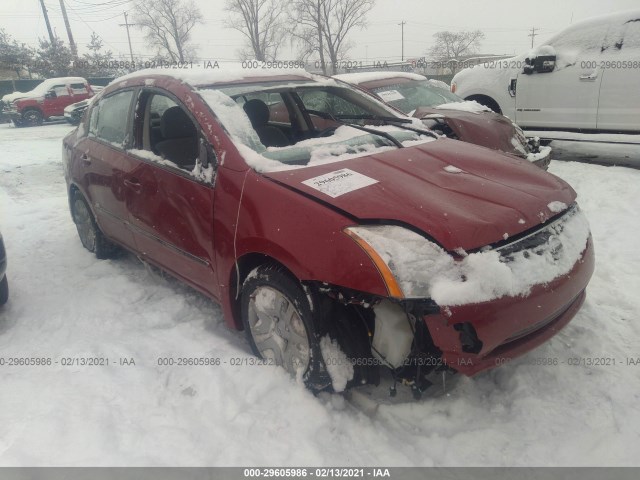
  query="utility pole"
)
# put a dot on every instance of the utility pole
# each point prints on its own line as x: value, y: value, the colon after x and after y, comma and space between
x: 72, y: 44
x: 402, y: 24
x: 127, y: 24
x: 533, y: 35
x: 46, y: 19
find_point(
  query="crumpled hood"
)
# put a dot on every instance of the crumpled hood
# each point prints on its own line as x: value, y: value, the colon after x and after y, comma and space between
x: 488, y: 129
x: 460, y: 195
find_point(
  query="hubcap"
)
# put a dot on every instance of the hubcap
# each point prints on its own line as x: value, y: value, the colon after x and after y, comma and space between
x: 86, y: 231
x: 278, y: 330
x: 32, y: 118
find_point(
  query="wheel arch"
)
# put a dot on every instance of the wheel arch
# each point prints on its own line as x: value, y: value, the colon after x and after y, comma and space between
x: 487, y: 101
x: 240, y: 270
x: 33, y: 108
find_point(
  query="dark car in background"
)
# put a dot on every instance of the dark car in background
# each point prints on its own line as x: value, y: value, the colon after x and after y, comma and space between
x: 448, y: 114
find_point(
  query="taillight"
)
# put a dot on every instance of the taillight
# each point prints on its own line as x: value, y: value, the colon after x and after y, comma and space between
x: 453, y: 87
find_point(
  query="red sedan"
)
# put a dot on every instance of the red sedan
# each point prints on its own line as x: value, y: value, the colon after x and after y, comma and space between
x: 342, y: 236
x: 448, y: 114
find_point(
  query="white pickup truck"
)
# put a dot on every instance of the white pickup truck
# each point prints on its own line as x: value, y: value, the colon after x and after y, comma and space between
x: 585, y: 78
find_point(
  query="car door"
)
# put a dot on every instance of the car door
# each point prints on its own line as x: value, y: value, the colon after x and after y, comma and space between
x: 619, y: 107
x: 567, y: 96
x: 55, y: 101
x: 79, y: 92
x: 170, y: 203
x: 99, y: 161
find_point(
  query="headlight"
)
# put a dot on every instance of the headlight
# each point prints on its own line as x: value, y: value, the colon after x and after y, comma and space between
x: 405, y: 260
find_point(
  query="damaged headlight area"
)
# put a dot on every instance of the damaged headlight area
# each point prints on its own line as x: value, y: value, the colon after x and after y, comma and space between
x: 414, y: 267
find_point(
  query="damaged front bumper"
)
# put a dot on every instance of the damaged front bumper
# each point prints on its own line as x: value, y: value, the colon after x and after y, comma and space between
x: 477, y: 337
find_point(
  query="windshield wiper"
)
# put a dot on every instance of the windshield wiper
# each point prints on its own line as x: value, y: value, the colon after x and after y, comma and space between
x: 389, y: 119
x: 373, y: 131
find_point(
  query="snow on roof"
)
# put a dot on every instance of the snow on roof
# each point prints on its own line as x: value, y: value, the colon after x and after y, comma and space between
x: 225, y: 74
x: 593, y: 23
x: 42, y: 88
x: 362, y: 77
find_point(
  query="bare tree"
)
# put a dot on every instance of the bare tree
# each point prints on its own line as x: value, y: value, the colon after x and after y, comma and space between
x: 168, y: 24
x: 322, y: 26
x: 452, y: 47
x: 261, y: 21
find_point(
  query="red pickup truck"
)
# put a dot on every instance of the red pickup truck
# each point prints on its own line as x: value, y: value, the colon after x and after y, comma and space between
x: 45, y: 101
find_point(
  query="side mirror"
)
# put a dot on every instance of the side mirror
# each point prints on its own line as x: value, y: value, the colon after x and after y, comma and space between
x: 50, y: 94
x: 206, y: 155
x: 540, y: 60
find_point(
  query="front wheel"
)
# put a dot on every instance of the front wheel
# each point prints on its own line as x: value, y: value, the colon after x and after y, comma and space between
x: 32, y: 118
x: 4, y: 290
x: 278, y: 321
x: 90, y: 234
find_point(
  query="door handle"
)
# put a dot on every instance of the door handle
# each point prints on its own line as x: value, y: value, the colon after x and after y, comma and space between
x: 134, y: 184
x: 85, y: 159
x: 591, y: 76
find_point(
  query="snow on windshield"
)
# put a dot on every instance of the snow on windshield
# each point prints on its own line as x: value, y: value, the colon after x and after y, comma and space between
x: 344, y: 143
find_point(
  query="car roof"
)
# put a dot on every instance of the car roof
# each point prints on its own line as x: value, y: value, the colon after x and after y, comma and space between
x: 366, y: 77
x: 198, y: 77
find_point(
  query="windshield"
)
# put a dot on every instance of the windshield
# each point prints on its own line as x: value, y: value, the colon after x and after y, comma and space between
x: 281, y: 126
x: 409, y: 96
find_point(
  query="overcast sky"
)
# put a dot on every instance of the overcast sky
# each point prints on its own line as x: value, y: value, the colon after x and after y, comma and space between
x: 506, y: 24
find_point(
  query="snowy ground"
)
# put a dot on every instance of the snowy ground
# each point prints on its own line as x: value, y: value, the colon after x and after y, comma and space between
x: 599, y: 148
x: 65, y: 303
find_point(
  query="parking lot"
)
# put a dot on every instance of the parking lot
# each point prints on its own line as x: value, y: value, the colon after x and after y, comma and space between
x: 573, y: 401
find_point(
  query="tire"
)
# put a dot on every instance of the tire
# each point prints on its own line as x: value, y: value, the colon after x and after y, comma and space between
x: 4, y: 290
x: 90, y: 234
x: 278, y: 321
x: 32, y: 118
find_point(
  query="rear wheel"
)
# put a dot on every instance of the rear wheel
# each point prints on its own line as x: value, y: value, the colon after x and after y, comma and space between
x: 278, y: 321
x: 32, y: 117
x: 4, y: 290
x: 90, y: 234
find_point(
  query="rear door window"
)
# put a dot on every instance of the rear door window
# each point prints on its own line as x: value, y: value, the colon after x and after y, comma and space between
x: 109, y: 120
x: 79, y: 88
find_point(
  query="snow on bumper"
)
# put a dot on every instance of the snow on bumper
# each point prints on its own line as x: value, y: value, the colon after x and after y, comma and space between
x: 510, y: 326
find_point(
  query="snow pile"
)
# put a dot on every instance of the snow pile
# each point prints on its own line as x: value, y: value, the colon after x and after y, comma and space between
x: 468, y: 106
x: 543, y: 152
x: 439, y: 84
x: 557, y: 207
x: 338, y: 364
x: 423, y: 269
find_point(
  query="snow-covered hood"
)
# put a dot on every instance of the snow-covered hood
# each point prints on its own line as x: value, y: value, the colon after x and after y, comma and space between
x: 460, y: 195
x: 12, y: 97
